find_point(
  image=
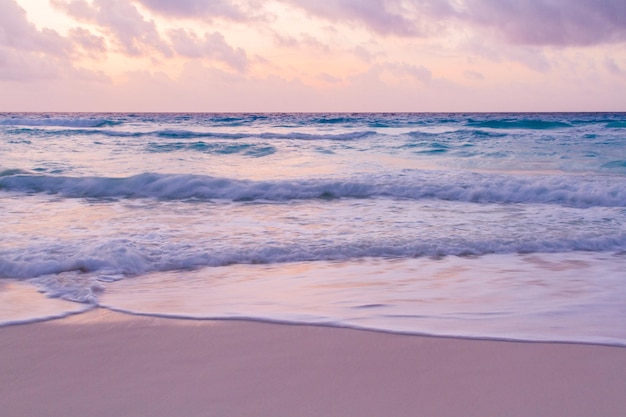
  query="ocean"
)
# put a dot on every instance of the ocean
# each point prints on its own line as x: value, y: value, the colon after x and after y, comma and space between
x: 490, y: 225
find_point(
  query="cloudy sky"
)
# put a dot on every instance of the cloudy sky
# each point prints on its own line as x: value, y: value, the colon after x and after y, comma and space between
x: 312, y: 55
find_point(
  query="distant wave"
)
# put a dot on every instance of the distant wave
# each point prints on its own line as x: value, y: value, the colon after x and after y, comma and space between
x: 518, y: 124
x: 261, y: 135
x: 9, y: 172
x: 269, y: 122
x: 475, y: 133
x: 331, y: 119
x: 79, y: 123
x: 573, y: 191
x: 190, y: 134
x: 216, y: 148
x: 615, y: 164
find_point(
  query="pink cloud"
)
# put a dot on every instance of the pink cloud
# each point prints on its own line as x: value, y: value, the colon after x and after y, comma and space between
x: 473, y: 75
x: 16, y: 32
x: 87, y: 40
x: 134, y: 34
x: 29, y: 54
x: 212, y: 46
x: 550, y: 22
x: 386, y: 17
x: 25, y: 67
x: 326, y: 77
x: 418, y: 73
x: 304, y: 40
x: 137, y: 36
x: 527, y: 22
x: 612, y: 67
x: 196, y: 8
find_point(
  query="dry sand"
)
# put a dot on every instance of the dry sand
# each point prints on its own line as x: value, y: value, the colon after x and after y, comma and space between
x: 109, y: 364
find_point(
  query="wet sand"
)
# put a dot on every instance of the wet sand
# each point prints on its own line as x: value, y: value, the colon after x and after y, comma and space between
x: 103, y: 363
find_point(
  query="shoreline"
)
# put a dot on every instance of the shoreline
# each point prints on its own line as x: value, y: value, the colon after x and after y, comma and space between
x: 102, y: 363
x: 618, y: 343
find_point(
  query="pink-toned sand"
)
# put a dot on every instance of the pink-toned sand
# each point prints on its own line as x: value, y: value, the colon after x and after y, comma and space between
x: 108, y: 364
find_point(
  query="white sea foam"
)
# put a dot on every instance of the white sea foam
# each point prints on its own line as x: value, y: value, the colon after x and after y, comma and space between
x: 522, y: 297
x: 21, y: 302
x: 126, y: 257
x: 57, y: 122
x: 573, y: 191
x: 84, y: 128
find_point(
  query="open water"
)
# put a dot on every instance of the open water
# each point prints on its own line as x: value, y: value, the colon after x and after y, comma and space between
x: 508, y: 226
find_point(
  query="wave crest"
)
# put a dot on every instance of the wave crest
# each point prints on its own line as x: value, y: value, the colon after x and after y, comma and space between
x: 573, y: 191
x: 532, y: 124
x: 59, y: 122
x: 126, y: 258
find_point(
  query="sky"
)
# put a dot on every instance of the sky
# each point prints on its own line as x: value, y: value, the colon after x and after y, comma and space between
x: 312, y: 55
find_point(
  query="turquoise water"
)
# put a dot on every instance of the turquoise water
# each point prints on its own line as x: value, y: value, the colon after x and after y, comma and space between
x: 480, y: 225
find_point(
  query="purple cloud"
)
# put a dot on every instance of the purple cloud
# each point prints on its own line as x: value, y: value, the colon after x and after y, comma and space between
x: 526, y: 22
x: 212, y: 46
x: 612, y: 67
x: 550, y: 22
x: 473, y: 75
x: 132, y: 32
x: 419, y: 73
x: 304, y: 40
x: 87, y: 40
x: 532, y: 57
x: 16, y: 32
x: 386, y: 17
x: 29, y: 54
x: 23, y: 67
x: 326, y: 77
x: 196, y: 8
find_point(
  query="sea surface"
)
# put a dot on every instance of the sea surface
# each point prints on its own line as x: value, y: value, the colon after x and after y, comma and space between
x: 505, y: 226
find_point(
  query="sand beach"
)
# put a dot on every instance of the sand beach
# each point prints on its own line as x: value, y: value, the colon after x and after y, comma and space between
x: 103, y: 363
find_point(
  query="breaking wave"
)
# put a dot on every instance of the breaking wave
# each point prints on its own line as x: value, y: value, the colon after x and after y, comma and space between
x: 190, y: 134
x: 572, y: 191
x: 125, y: 257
